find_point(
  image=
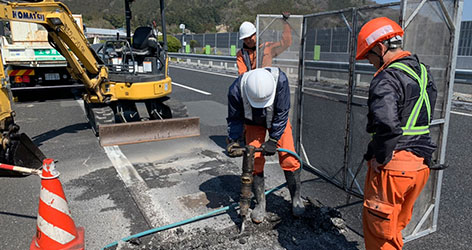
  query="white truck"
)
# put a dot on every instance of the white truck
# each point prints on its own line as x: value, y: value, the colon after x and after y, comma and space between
x: 31, y: 62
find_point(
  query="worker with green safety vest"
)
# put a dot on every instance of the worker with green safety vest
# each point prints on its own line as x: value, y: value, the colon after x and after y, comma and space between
x: 401, y: 103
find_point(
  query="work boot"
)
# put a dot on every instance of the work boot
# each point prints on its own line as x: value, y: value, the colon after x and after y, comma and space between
x: 258, y: 213
x: 294, y: 186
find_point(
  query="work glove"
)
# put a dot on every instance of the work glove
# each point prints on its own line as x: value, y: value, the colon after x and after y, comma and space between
x: 233, y: 149
x: 285, y: 15
x: 269, y: 147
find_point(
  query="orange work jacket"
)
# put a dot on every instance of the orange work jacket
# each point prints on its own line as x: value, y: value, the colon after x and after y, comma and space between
x: 271, y: 50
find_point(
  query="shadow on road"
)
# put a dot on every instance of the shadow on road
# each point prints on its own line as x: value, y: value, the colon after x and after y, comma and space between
x: 220, y: 140
x: 223, y: 191
x: 71, y: 129
x: 42, y: 95
x: 18, y: 215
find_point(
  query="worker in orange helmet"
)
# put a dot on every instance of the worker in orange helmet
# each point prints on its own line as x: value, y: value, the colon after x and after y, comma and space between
x: 258, y: 103
x: 246, y: 56
x: 401, y: 101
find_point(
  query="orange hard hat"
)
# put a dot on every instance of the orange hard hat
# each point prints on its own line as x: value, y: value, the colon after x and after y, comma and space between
x: 375, y: 31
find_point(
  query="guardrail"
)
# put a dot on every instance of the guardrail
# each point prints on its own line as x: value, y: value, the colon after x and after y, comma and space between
x: 463, y: 76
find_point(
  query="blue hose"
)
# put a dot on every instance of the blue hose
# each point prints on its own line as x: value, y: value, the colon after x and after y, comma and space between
x: 203, y: 216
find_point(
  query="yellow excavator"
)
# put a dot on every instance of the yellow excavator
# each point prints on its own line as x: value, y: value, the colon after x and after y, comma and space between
x: 126, y: 80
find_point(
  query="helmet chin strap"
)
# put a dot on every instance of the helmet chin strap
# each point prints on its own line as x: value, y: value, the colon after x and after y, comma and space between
x: 387, y: 43
x: 379, y: 56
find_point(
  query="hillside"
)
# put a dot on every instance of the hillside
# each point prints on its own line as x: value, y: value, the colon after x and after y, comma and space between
x: 198, y: 15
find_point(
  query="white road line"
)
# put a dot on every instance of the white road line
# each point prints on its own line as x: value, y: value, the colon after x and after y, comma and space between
x: 205, y: 169
x: 190, y: 88
x: 460, y: 113
x: 123, y: 166
x: 336, y: 93
x: 134, y: 183
x: 202, y: 71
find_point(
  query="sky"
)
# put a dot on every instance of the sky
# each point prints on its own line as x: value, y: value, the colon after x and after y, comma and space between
x: 466, y: 14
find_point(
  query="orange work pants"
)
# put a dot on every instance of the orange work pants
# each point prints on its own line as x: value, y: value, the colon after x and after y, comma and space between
x: 255, y: 136
x: 389, y: 197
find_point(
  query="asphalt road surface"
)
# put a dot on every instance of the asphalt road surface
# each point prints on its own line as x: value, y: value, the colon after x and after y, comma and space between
x: 114, y: 192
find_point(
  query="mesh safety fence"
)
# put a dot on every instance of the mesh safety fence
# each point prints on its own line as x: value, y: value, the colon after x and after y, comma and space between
x: 333, y: 92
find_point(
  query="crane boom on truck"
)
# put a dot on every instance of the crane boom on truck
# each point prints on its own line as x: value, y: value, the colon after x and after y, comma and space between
x: 126, y: 81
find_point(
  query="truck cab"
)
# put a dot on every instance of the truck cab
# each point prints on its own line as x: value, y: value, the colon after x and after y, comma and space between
x: 30, y: 61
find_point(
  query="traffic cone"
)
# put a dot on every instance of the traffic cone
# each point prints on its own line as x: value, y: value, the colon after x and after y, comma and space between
x: 55, y: 228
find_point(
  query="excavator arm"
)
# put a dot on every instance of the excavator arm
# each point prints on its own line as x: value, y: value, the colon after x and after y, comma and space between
x: 15, y: 148
x: 121, y: 93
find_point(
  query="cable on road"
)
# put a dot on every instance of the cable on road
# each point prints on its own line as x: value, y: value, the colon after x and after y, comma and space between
x: 234, y: 205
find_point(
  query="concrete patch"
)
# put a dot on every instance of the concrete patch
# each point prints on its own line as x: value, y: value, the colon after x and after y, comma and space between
x: 193, y: 201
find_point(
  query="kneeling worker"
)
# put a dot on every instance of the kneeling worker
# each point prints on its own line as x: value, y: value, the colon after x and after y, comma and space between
x: 259, y: 101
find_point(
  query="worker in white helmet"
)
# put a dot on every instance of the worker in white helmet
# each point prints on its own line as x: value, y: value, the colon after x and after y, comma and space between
x: 246, y: 57
x: 259, y: 101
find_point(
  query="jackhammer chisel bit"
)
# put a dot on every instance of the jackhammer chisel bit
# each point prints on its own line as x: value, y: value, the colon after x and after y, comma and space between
x: 246, y: 184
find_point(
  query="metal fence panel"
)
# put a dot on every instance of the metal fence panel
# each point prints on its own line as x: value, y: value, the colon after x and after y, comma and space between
x: 210, y: 39
x: 222, y: 43
x: 430, y: 33
x: 234, y: 39
x: 200, y: 40
x: 323, y: 38
x: 358, y: 136
x: 273, y: 50
x: 465, y: 42
x: 270, y: 30
x: 333, y: 105
x: 340, y: 39
x: 324, y: 98
x: 330, y: 40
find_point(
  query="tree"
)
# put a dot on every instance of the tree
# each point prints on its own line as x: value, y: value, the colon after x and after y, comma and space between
x: 173, y: 43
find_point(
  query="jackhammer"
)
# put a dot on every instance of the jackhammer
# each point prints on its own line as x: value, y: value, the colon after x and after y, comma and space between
x: 246, y: 183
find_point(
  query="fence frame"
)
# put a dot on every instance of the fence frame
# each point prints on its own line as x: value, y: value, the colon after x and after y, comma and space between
x: 453, y: 22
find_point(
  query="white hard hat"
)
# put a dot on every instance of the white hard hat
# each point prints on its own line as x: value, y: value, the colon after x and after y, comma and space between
x: 246, y: 29
x: 260, y: 88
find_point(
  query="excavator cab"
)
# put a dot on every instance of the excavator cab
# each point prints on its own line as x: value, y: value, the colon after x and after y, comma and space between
x: 145, y: 56
x: 142, y: 60
x: 144, y: 41
x: 136, y: 60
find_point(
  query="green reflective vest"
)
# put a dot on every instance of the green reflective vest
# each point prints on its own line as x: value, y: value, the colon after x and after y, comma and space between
x: 410, y: 128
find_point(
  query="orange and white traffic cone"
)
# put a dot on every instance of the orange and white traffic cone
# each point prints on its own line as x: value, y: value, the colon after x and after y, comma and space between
x: 55, y: 228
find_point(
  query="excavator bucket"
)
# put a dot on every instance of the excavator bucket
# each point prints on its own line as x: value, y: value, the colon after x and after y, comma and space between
x: 27, y: 154
x: 146, y: 131
x: 23, y: 153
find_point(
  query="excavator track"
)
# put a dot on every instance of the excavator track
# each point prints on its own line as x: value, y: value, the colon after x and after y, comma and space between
x: 178, y: 109
x: 99, y: 114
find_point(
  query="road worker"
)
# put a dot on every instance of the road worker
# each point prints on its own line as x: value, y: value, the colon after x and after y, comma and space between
x: 259, y: 101
x: 246, y: 57
x: 401, y: 102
